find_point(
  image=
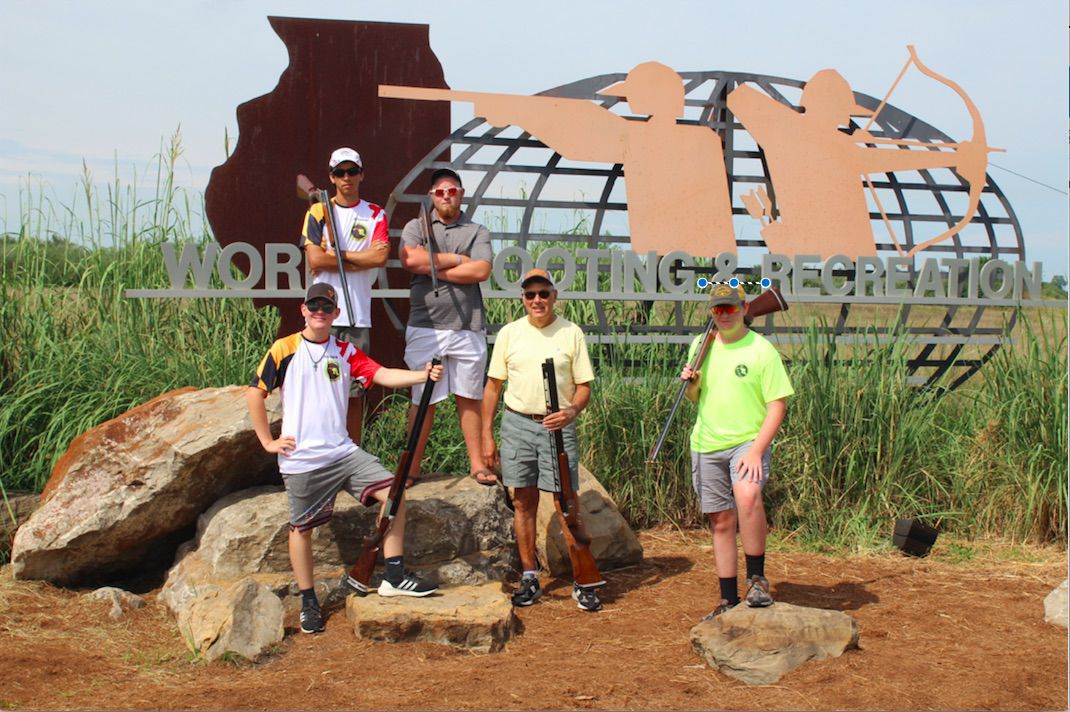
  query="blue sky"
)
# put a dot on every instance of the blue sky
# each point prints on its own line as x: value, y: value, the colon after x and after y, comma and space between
x: 106, y: 82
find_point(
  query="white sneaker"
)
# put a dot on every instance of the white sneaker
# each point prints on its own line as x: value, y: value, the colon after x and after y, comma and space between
x: 411, y: 585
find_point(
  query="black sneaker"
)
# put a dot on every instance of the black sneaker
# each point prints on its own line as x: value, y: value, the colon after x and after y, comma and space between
x: 527, y: 592
x: 410, y: 585
x: 758, y: 592
x: 311, y: 619
x: 586, y: 598
x: 722, y: 607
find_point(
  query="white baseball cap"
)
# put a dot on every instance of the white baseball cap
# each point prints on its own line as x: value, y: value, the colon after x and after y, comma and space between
x: 342, y: 155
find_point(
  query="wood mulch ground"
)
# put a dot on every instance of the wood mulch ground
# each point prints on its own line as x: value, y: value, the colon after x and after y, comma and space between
x: 936, y: 633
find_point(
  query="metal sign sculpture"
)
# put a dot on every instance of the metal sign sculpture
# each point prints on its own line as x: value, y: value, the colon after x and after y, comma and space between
x: 739, y: 176
x: 802, y: 168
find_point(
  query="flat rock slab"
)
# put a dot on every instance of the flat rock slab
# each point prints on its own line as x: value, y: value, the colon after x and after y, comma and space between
x: 759, y: 645
x: 472, y: 617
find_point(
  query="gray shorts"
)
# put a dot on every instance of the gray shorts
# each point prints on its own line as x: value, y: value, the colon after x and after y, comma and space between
x: 714, y: 473
x: 527, y: 454
x: 359, y: 336
x: 311, y: 494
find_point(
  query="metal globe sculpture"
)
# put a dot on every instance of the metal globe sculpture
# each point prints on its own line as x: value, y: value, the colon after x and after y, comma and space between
x: 533, y: 198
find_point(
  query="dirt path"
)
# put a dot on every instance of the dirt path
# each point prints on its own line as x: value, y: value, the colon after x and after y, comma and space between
x: 934, y: 634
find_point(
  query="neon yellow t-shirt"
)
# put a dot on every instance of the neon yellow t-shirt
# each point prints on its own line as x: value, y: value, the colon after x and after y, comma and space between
x: 737, y: 382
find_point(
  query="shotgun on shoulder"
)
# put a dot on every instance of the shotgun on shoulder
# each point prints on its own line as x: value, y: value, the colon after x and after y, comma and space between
x: 768, y: 302
x: 362, y: 570
x: 584, y: 568
x: 307, y: 191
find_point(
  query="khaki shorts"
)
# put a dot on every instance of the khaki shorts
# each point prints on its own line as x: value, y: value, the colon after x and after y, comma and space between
x: 527, y: 454
x: 714, y: 473
x: 464, y: 360
x: 311, y: 494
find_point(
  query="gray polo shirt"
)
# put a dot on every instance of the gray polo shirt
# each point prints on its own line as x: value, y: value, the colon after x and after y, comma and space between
x: 457, y: 306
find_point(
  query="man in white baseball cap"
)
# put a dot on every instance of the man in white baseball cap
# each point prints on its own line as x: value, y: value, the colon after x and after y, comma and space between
x: 364, y: 246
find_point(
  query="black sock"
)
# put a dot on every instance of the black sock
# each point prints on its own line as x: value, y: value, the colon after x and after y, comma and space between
x: 308, y: 597
x: 729, y: 592
x: 395, y: 571
x: 755, y: 565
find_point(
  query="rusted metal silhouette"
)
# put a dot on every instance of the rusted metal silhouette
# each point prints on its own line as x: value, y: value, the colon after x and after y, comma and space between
x: 328, y: 97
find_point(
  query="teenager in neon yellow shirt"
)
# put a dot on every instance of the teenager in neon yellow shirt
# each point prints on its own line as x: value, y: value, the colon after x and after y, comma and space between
x: 740, y: 389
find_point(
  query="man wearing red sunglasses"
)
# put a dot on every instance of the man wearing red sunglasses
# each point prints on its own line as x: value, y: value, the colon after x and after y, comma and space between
x: 449, y: 321
x: 740, y: 390
x: 365, y: 246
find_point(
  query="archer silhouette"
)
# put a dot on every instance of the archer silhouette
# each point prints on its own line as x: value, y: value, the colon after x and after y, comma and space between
x: 677, y: 185
x: 815, y: 168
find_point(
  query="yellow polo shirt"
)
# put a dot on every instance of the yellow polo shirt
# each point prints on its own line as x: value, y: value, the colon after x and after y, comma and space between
x: 519, y: 352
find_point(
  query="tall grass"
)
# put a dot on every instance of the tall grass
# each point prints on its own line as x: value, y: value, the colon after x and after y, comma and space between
x: 858, y: 448
x: 1014, y: 473
x: 76, y: 351
x: 857, y: 445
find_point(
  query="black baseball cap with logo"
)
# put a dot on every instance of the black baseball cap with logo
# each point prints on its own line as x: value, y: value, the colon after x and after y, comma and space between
x: 322, y: 290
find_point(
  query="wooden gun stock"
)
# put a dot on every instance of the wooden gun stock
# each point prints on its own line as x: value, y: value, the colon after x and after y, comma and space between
x: 584, y: 567
x: 369, y: 553
x: 768, y: 302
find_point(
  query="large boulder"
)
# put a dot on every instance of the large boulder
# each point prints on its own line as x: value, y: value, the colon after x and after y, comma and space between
x: 478, y: 618
x: 613, y: 543
x: 1055, y: 604
x: 759, y: 645
x: 127, y: 490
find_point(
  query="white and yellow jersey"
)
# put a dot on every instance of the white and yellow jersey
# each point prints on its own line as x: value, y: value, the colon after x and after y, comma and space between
x: 315, y: 380
x: 358, y: 227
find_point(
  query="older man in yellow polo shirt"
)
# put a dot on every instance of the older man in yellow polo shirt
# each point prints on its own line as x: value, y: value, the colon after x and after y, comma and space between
x: 526, y: 461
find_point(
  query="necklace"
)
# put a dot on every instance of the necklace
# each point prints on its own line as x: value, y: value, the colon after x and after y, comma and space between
x: 316, y: 361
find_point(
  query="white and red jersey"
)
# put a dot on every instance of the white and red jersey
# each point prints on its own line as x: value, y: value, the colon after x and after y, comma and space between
x: 358, y: 227
x: 315, y: 379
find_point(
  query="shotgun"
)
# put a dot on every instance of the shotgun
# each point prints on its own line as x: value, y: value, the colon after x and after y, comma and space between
x: 768, y: 302
x: 309, y: 192
x: 584, y: 568
x: 429, y: 235
x: 361, y: 573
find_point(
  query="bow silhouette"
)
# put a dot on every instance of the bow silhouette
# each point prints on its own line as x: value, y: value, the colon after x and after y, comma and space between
x: 972, y: 158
